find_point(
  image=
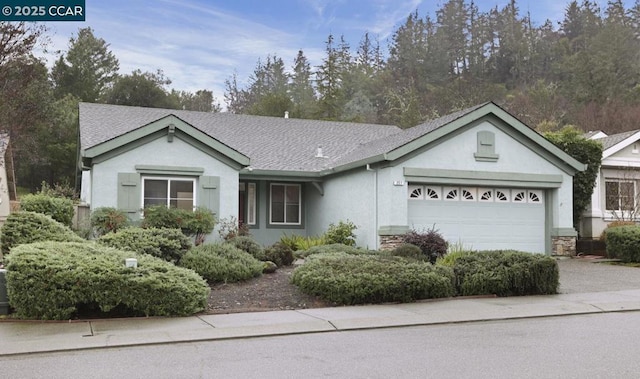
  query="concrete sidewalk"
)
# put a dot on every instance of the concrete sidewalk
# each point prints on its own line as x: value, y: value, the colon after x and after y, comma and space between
x: 24, y: 337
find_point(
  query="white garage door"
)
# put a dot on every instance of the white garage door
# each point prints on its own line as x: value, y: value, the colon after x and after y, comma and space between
x: 481, y: 218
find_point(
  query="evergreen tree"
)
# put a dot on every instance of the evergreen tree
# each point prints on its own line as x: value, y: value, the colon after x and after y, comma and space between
x: 87, y: 70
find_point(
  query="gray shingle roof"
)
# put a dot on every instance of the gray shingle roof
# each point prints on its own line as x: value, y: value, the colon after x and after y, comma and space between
x: 272, y: 143
x: 401, y: 138
x: 614, y: 139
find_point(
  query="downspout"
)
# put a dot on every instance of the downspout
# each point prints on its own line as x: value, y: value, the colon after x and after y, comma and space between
x: 375, y: 204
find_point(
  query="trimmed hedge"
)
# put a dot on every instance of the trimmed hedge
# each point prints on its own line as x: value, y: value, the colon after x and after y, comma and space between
x: 59, y: 208
x: 52, y: 280
x: 623, y: 242
x: 167, y: 244
x: 359, y: 279
x: 280, y: 254
x: 249, y: 245
x: 222, y: 262
x: 332, y: 248
x: 408, y: 250
x: 505, y: 273
x: 27, y: 227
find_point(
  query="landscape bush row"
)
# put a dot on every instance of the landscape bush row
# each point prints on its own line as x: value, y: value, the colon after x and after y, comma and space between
x: 623, y: 242
x: 347, y: 278
x: 336, y: 270
x: 52, y: 280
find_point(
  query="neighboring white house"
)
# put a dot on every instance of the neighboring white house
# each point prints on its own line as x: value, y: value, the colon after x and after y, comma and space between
x: 616, y: 192
x: 479, y: 176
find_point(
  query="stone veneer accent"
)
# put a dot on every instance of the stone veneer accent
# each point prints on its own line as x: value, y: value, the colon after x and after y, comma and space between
x: 563, y: 246
x: 390, y: 242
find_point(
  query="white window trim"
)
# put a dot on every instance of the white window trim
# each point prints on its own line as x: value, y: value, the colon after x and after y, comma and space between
x: 271, y: 222
x: 538, y: 193
x: 413, y: 187
x: 472, y: 190
x: 445, y: 193
x: 437, y: 190
x: 168, y: 179
x: 482, y: 191
x: 506, y: 192
x: 252, y: 203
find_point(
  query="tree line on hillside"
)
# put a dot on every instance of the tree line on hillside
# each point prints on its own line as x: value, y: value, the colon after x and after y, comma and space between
x: 582, y: 71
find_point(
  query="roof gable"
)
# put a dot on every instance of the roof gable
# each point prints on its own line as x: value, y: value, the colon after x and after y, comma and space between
x: 412, y: 139
x: 170, y: 124
x: 616, y: 142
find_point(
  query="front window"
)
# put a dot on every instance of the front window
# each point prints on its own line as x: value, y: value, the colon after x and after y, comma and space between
x: 285, y: 204
x: 620, y: 195
x: 173, y: 193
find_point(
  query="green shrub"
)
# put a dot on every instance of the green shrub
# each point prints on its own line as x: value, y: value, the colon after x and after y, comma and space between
x: 197, y: 223
x: 222, y: 262
x: 167, y: 244
x: 27, y: 227
x: 341, y: 233
x: 614, y: 224
x: 280, y: 254
x: 296, y: 242
x: 623, y: 242
x: 249, y: 245
x: 60, y: 209
x: 408, y: 250
x: 52, y: 280
x: 506, y: 273
x: 450, y: 259
x: 430, y: 242
x: 333, y: 248
x: 108, y: 219
x: 359, y: 279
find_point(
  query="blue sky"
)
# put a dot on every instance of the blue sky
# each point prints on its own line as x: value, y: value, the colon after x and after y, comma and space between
x: 199, y: 43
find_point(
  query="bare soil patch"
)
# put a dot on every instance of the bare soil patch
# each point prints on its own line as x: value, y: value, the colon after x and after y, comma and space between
x: 269, y: 292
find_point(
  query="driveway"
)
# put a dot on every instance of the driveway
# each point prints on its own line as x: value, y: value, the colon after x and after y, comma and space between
x: 583, y: 275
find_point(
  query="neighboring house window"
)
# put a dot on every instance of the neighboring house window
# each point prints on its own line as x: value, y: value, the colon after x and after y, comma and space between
x: 620, y: 195
x: 171, y: 192
x: 285, y: 204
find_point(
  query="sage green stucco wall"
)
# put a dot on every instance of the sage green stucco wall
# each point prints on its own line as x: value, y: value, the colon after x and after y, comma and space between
x: 348, y: 196
x: 160, y: 152
x: 457, y: 153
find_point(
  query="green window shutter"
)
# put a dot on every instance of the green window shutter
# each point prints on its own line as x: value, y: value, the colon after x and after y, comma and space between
x: 129, y: 193
x: 209, y: 196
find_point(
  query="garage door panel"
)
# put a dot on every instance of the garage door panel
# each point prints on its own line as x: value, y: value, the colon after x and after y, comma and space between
x: 484, y: 225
